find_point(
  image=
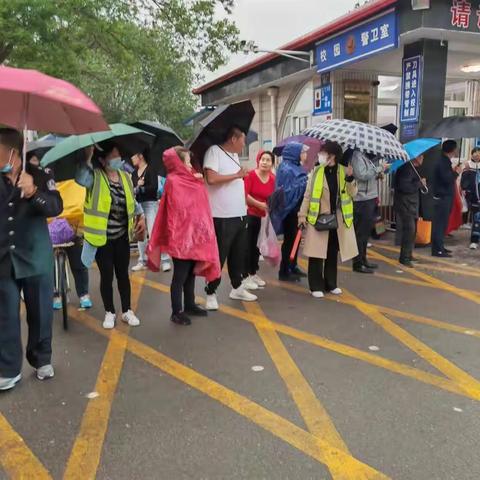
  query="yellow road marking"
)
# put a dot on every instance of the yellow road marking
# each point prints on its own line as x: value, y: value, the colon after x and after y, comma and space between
x: 87, y: 449
x: 342, y: 349
x: 17, y: 460
x: 317, y: 448
x: 314, y: 414
x: 465, y: 273
x: 474, y: 297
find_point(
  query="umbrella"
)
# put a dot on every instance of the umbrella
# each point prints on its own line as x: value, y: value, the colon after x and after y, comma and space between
x: 213, y: 128
x: 454, y: 127
x: 252, y: 137
x: 415, y: 148
x: 367, y: 138
x: 314, y: 148
x: 31, y: 99
x: 165, y: 138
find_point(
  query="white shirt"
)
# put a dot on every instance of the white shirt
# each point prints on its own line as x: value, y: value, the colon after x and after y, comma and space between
x: 227, y: 200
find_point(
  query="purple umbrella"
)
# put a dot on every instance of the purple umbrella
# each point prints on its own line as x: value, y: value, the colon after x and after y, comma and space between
x: 313, y: 144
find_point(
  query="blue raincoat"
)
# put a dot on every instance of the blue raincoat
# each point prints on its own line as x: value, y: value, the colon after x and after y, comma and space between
x: 291, y: 183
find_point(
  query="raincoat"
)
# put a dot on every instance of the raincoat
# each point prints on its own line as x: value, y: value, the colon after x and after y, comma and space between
x: 184, y: 226
x: 291, y: 182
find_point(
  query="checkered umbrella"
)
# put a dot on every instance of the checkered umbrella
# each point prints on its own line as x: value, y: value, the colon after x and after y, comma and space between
x: 367, y: 138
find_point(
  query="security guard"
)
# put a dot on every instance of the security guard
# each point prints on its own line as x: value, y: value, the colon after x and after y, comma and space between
x: 27, y: 198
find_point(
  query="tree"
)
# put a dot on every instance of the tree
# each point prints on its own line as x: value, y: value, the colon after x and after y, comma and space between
x: 136, y: 58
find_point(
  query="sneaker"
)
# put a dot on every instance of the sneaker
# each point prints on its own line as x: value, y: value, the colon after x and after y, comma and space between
x: 8, y: 383
x: 195, y: 311
x: 249, y: 284
x: 318, y: 294
x: 336, y: 291
x: 466, y: 226
x: 166, y: 266
x: 85, y: 301
x: 258, y: 280
x: 139, y: 267
x: 473, y: 246
x: 180, y: 319
x: 109, y: 321
x: 45, y: 372
x: 130, y: 318
x: 369, y: 245
x: 241, y: 293
x: 57, y: 303
x: 211, y: 302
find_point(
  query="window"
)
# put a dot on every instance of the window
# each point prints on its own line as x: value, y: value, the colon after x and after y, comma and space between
x: 300, y: 115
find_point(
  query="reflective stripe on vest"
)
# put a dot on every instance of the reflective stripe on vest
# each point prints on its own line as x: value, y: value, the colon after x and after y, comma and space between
x: 97, y: 207
x: 346, y: 203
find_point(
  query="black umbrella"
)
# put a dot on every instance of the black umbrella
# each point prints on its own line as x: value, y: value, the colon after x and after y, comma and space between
x: 454, y: 127
x: 165, y: 138
x: 214, y: 128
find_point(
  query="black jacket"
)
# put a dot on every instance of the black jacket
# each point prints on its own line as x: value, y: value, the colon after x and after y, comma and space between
x: 149, y: 191
x: 25, y: 247
x: 470, y: 184
x: 444, y: 178
x: 407, y: 190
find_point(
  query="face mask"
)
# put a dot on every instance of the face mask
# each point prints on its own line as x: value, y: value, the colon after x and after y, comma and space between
x: 115, y: 163
x: 322, y: 159
x: 8, y: 167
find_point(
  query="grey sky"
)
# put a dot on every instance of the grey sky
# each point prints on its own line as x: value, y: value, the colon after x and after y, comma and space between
x: 271, y: 23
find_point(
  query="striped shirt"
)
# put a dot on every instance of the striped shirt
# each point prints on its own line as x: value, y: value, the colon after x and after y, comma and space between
x: 118, y: 219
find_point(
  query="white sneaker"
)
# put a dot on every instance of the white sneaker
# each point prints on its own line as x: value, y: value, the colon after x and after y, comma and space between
x: 130, y: 318
x: 369, y: 245
x: 109, y: 321
x: 241, y: 293
x: 249, y: 284
x: 211, y: 302
x: 258, y: 281
x: 45, y: 372
x: 318, y: 294
x: 336, y: 291
x: 166, y: 266
x: 473, y: 246
x: 466, y: 226
x: 139, y: 267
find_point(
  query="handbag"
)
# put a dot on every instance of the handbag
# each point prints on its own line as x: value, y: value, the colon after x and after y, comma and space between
x: 326, y: 221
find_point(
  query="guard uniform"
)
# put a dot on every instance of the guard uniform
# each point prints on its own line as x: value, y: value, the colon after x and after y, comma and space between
x: 26, y: 263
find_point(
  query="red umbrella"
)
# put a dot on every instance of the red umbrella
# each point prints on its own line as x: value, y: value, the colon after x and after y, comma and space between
x: 33, y: 100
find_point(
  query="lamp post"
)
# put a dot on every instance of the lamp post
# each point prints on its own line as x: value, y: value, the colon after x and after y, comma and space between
x: 300, y: 55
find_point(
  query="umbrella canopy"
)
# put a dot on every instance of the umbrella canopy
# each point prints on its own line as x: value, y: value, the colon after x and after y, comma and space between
x: 454, y: 127
x: 415, y: 148
x: 367, y: 138
x: 214, y: 127
x: 39, y: 145
x: 314, y: 148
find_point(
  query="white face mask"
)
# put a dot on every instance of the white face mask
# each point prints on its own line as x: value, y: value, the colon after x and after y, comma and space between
x: 322, y: 158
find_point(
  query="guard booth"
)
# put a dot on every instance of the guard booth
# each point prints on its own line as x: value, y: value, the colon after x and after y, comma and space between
x: 406, y: 62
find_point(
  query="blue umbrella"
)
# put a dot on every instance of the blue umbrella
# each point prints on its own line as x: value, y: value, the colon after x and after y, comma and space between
x: 415, y: 148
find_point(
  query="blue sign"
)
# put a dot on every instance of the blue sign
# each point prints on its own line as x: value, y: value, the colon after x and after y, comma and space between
x: 323, y: 100
x: 477, y: 142
x: 411, y: 89
x: 374, y: 36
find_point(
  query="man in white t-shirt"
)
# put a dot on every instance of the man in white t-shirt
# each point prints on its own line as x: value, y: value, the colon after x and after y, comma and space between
x: 226, y: 190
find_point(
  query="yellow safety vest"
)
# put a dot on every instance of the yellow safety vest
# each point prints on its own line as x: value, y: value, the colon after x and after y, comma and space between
x: 346, y: 203
x: 97, y: 207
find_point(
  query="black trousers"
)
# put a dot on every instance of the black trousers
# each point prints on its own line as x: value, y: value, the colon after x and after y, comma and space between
x: 475, y: 235
x: 441, y: 213
x: 407, y: 230
x: 322, y: 274
x: 363, y: 220
x: 290, y: 229
x: 232, y: 244
x: 112, y: 258
x: 183, y: 282
x: 253, y: 253
x: 38, y: 295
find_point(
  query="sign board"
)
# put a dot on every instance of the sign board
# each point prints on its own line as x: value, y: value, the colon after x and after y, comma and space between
x: 477, y: 142
x: 359, y: 42
x: 411, y: 89
x: 322, y: 100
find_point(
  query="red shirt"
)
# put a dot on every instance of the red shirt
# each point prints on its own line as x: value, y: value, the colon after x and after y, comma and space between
x: 259, y: 191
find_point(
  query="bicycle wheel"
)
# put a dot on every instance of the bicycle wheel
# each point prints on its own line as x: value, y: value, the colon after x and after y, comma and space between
x: 63, y: 286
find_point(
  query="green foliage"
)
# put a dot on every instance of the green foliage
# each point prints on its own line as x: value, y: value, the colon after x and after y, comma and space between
x: 136, y: 58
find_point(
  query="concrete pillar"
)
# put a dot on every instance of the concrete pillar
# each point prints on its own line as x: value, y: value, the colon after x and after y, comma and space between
x: 272, y: 92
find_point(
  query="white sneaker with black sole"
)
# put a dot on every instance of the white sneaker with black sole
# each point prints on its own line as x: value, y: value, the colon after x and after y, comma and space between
x: 241, y: 293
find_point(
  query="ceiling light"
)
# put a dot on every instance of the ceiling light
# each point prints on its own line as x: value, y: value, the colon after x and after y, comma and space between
x: 471, y: 68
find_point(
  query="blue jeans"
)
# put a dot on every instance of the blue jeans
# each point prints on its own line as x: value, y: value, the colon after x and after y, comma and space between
x: 150, y: 210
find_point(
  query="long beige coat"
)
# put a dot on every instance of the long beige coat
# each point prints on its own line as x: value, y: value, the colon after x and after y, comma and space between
x: 316, y: 243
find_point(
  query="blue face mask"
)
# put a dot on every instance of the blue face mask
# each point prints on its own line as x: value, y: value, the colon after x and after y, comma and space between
x: 115, y: 163
x: 8, y: 167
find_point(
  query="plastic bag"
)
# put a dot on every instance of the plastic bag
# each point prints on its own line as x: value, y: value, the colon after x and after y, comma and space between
x: 267, y: 243
x: 60, y: 232
x: 424, y: 232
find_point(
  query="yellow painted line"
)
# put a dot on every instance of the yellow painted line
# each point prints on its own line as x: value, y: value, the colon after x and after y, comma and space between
x: 340, y: 348
x: 447, y: 287
x: 317, y: 448
x: 428, y: 258
x: 463, y: 379
x: 436, y: 268
x: 87, y: 449
x: 16, y: 459
x: 314, y: 414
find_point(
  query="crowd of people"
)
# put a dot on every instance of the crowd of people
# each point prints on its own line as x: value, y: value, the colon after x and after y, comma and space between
x: 204, y: 219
